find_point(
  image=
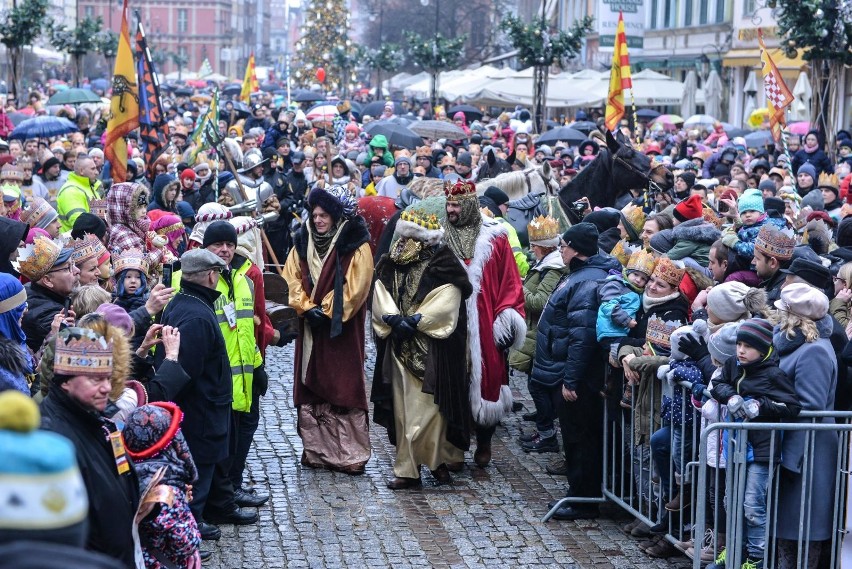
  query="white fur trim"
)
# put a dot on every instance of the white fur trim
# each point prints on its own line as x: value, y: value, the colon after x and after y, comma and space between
x: 412, y: 230
x: 485, y: 413
x: 510, y: 324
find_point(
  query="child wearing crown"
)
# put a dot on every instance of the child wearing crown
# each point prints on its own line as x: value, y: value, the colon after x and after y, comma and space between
x: 131, y: 280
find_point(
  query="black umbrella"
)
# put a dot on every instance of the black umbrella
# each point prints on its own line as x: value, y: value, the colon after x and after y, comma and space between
x: 471, y: 113
x: 375, y: 109
x: 396, y: 134
x: 239, y: 109
x: 308, y: 96
x: 649, y: 114
x: 232, y: 89
x: 269, y: 87
x: 584, y: 126
x: 564, y: 134
x: 735, y: 132
x: 183, y: 92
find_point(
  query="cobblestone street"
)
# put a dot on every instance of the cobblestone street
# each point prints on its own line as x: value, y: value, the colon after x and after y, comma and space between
x: 487, y: 518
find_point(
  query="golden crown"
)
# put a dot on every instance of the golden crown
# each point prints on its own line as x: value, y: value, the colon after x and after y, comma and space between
x: 133, y: 259
x: 37, y: 258
x: 634, y: 215
x: 89, y: 247
x: 12, y: 172
x: 827, y: 180
x: 622, y: 252
x: 543, y: 228
x: 429, y: 221
x: 38, y: 208
x: 424, y: 151
x: 775, y: 243
x: 459, y: 190
x: 88, y: 355
x: 642, y: 261
x: 667, y: 271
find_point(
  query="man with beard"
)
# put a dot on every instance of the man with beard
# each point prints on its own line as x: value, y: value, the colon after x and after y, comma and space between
x: 391, y: 186
x: 495, y: 309
x: 31, y: 186
x: 420, y: 393
x: 773, y: 252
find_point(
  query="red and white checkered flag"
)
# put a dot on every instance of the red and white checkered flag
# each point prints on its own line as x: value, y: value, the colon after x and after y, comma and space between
x: 778, y: 96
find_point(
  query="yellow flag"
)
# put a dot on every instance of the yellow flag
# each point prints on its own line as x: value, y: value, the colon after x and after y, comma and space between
x: 249, y: 81
x: 778, y: 95
x: 619, y: 78
x: 124, y: 106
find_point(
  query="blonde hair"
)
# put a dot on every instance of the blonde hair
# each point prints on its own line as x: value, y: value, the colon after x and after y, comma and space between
x: 844, y: 273
x: 789, y: 323
x: 87, y: 298
x: 120, y: 350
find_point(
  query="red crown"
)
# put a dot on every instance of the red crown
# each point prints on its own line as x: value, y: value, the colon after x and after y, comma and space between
x: 459, y: 190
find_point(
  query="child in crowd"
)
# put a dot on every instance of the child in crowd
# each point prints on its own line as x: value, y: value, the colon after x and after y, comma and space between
x: 351, y: 140
x: 131, y: 280
x: 753, y: 387
x: 752, y: 217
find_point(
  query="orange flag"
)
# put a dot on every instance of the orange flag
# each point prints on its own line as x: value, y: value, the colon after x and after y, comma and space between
x: 778, y: 96
x: 124, y: 105
x: 249, y: 81
x: 619, y: 78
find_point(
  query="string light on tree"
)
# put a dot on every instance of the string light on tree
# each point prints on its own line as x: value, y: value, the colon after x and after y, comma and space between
x: 324, y: 31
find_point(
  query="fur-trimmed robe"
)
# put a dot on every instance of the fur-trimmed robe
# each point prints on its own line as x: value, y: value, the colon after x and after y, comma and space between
x: 495, y: 311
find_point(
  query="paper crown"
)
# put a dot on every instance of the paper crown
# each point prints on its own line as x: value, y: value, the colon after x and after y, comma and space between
x: 419, y: 225
x: 12, y: 172
x: 99, y: 208
x: 38, y: 258
x: 486, y: 212
x: 710, y: 216
x: 447, y: 161
x: 459, y: 190
x: 37, y: 211
x: 89, y: 247
x: 667, y: 271
x: 642, y: 261
x: 423, y: 151
x: 659, y: 332
x: 133, y: 259
x: 775, y: 243
x: 543, y: 231
x: 623, y: 251
x: 82, y: 354
x: 827, y: 180
x: 635, y: 216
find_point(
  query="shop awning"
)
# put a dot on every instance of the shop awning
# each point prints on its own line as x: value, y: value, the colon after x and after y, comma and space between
x: 751, y: 58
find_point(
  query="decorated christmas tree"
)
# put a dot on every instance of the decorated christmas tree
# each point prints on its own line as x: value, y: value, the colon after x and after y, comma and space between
x: 324, y: 31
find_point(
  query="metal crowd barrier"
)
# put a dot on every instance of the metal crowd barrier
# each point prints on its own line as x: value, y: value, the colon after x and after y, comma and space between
x: 715, y: 486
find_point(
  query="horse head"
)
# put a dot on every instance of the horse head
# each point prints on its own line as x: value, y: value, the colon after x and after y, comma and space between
x: 551, y: 184
x: 633, y: 168
x: 492, y: 167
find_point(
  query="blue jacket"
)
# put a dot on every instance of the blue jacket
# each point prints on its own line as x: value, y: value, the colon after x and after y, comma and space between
x: 748, y: 235
x: 619, y: 304
x: 566, y: 349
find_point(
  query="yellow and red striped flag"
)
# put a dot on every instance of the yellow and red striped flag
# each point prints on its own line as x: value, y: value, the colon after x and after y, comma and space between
x: 778, y: 96
x: 619, y: 78
x: 249, y: 81
x: 124, y: 105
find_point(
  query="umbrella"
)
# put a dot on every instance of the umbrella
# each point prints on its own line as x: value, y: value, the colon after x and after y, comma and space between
x: 100, y: 84
x: 232, y: 89
x: 471, y: 113
x: 699, y: 120
x: 17, y: 118
x: 183, y: 92
x: 584, y: 126
x: 437, y: 129
x: 803, y: 93
x: 800, y: 128
x: 735, y: 132
x: 240, y: 109
x: 322, y: 112
x: 396, y: 134
x: 375, y: 109
x: 42, y: 127
x: 690, y: 87
x: 667, y: 122
x: 759, y: 138
x: 269, y: 87
x: 713, y: 90
x: 564, y: 133
x: 308, y: 97
x: 750, y: 90
x: 647, y: 114
x: 74, y: 97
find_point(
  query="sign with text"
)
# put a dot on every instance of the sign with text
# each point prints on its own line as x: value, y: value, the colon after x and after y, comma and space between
x: 634, y: 23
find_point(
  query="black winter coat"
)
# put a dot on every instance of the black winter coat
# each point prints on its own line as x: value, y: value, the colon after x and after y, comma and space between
x: 11, y: 234
x: 566, y: 350
x: 765, y: 382
x: 43, y: 304
x: 113, y: 497
x: 818, y: 159
x: 204, y: 194
x: 206, y: 398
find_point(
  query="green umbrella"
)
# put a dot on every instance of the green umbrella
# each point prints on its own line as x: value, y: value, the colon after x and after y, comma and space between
x: 74, y: 97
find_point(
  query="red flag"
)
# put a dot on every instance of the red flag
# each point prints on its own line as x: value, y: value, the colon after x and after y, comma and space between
x: 778, y: 96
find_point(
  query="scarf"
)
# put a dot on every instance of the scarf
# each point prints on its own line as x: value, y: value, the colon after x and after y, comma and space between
x: 461, y: 237
x: 404, y: 180
x: 322, y: 243
x: 649, y: 303
x: 810, y: 149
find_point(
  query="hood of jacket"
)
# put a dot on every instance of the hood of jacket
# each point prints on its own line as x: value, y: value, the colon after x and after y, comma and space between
x: 379, y: 141
x: 123, y: 202
x: 786, y: 345
x: 552, y: 260
x: 697, y: 230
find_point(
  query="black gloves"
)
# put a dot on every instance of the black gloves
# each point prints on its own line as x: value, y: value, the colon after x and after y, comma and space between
x: 285, y: 337
x: 392, y: 320
x: 698, y: 390
x: 692, y: 347
x: 260, y: 382
x: 504, y: 344
x: 316, y: 317
x: 402, y: 327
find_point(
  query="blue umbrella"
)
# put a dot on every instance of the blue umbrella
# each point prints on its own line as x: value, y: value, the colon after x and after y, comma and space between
x: 101, y: 84
x: 42, y: 127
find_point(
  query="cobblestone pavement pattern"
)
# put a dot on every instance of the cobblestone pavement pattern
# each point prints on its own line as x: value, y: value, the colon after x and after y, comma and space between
x: 488, y: 518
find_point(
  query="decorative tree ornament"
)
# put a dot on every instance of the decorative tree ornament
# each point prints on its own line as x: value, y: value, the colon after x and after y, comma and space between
x: 320, y: 75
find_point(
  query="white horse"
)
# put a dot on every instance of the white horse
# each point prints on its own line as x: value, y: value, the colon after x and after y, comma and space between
x: 536, y: 180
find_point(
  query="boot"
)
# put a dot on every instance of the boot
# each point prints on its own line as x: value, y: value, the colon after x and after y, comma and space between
x: 682, y: 500
x: 482, y: 455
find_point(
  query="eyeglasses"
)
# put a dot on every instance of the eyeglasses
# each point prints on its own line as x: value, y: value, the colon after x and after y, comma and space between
x: 67, y: 268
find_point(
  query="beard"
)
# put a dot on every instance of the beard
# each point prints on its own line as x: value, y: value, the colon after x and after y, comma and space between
x: 453, y: 218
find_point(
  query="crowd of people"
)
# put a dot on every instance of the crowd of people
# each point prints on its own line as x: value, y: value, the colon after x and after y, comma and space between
x: 134, y: 314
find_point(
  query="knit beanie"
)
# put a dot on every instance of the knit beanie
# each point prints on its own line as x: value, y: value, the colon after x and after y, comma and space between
x: 603, y: 219
x: 117, y: 316
x: 809, y: 169
x: 496, y: 195
x: 732, y: 301
x: 88, y: 223
x: 751, y: 200
x: 687, y: 177
x: 189, y: 173
x: 690, y: 208
x: 767, y: 184
x: 583, y: 238
x: 218, y: 232
x: 814, y: 200
x: 844, y: 233
x: 757, y: 333
x: 723, y: 343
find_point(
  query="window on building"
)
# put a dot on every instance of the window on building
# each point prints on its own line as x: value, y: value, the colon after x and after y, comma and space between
x: 654, y: 9
x: 182, y: 20
x: 670, y: 13
x: 183, y: 53
x: 703, y: 12
x: 89, y: 12
x: 749, y: 6
x: 687, y: 12
x: 720, y: 11
x: 477, y: 28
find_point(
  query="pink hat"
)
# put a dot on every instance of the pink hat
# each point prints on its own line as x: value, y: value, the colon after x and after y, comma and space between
x: 803, y: 300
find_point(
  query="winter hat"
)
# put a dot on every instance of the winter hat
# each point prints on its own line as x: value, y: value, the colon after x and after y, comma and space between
x: 844, y: 233
x: 767, y: 184
x: 189, y: 173
x: 813, y: 272
x: 200, y: 260
x: 35, y: 232
x: 723, y: 343
x: 117, y: 316
x: 153, y: 438
x: 732, y: 301
x: 88, y: 223
x: 185, y: 212
x: 774, y: 204
x: 604, y: 219
x: 751, y: 200
x: 809, y: 169
x: 42, y: 495
x: 803, y: 300
x: 697, y: 329
x: 814, y: 200
x: 496, y: 195
x: 50, y: 163
x: 335, y: 200
x: 690, y: 208
x: 663, y: 241
x: 218, y: 232
x: 687, y: 177
x: 757, y: 333
x: 464, y: 159
x: 583, y: 238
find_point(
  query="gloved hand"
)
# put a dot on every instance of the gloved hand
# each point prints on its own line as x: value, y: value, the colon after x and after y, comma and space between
x: 392, y: 320
x: 751, y: 408
x: 693, y: 347
x: 662, y: 371
x: 260, y: 380
x: 730, y: 239
x: 698, y: 390
x: 736, y: 408
x: 404, y: 330
x: 504, y: 343
x: 285, y: 337
x: 316, y: 317
x: 414, y: 320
